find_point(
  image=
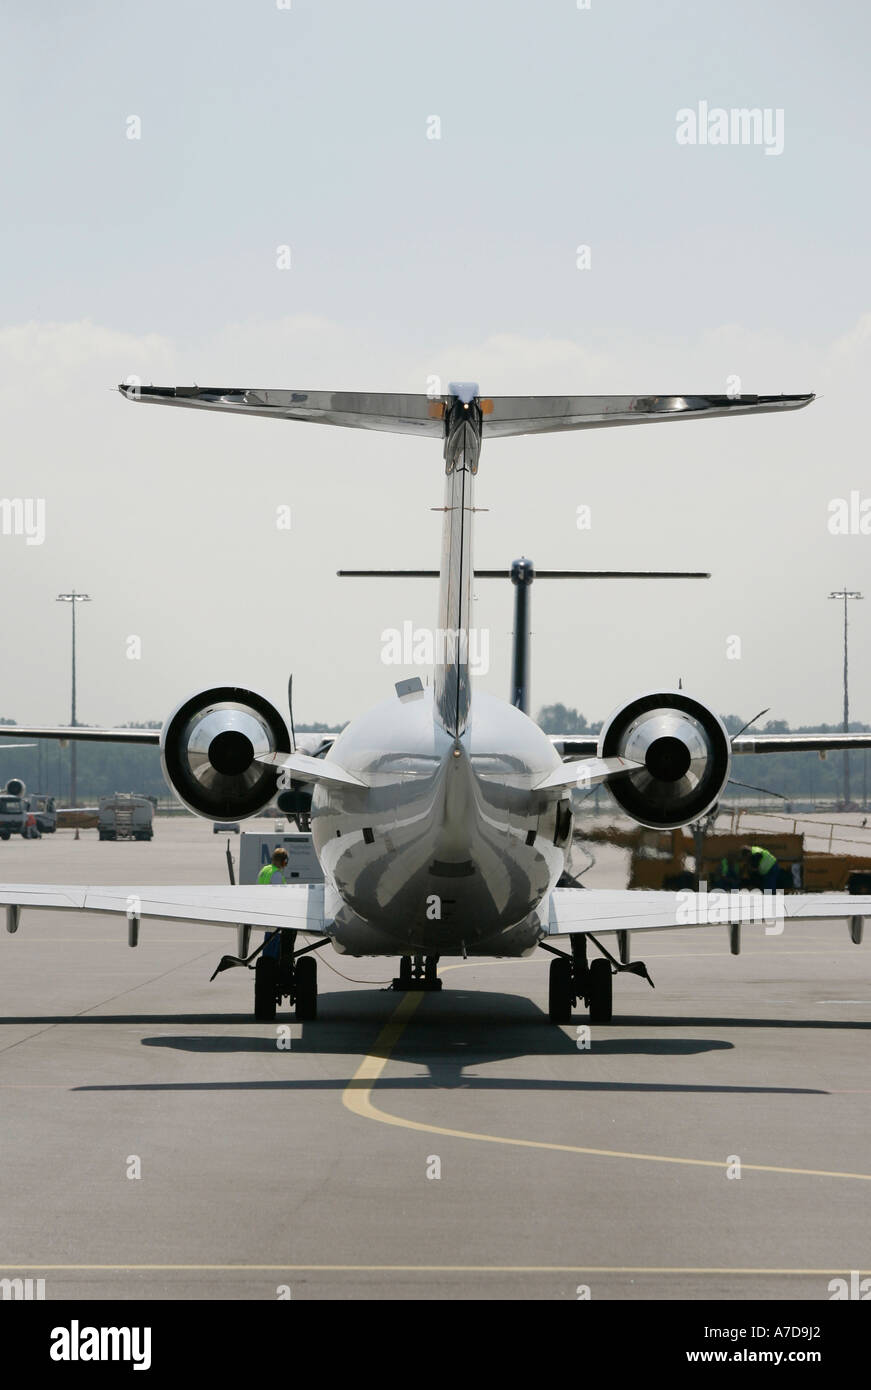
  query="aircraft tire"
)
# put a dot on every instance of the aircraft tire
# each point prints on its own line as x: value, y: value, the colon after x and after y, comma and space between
x: 560, y: 992
x: 265, y: 982
x: 601, y: 991
x: 306, y: 972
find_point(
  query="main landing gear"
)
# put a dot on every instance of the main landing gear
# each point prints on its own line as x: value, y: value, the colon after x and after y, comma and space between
x: 284, y: 973
x: 573, y: 979
x: 417, y: 972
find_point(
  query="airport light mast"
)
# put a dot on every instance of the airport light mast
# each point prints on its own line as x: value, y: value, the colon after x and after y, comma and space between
x: 846, y: 595
x: 72, y: 598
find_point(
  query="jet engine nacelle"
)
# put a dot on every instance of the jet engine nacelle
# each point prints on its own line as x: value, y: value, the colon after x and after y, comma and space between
x: 686, y: 754
x: 15, y: 787
x: 208, y: 750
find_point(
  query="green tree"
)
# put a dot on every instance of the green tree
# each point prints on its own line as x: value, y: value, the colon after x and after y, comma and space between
x: 557, y: 719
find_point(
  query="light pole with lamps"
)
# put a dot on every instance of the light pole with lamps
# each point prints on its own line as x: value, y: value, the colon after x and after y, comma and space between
x: 72, y: 598
x: 846, y: 595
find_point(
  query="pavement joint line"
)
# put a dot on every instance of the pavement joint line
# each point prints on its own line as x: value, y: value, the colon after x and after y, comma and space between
x: 357, y: 1097
x: 140, y: 984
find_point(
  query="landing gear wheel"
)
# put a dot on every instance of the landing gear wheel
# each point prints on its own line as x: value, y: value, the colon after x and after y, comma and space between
x: 265, y: 989
x: 306, y: 974
x: 560, y: 994
x: 601, y: 991
x: 405, y: 972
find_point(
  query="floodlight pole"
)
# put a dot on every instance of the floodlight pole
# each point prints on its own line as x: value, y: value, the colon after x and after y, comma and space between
x: 846, y: 595
x: 72, y: 598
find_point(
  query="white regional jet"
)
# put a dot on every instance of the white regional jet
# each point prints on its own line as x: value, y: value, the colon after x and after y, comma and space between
x: 442, y: 822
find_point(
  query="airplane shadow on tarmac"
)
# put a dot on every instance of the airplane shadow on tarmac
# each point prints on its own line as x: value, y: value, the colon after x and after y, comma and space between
x: 449, y: 1035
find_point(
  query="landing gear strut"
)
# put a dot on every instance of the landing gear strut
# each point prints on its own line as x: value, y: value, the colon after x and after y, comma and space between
x: 417, y: 972
x: 285, y: 973
x: 573, y: 979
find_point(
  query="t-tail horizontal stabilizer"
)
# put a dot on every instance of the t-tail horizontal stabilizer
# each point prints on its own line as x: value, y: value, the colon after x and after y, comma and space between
x: 430, y: 416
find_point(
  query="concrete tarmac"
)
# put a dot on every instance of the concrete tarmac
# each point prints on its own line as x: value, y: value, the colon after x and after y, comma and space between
x: 302, y: 1159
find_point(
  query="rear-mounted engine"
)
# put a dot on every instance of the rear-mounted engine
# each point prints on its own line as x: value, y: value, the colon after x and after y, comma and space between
x: 686, y: 754
x: 209, y: 746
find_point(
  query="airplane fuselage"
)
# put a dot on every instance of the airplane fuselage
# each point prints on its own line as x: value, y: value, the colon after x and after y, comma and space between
x: 448, y: 849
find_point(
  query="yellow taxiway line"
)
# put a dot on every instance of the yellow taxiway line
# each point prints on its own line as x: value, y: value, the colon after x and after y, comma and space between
x: 357, y: 1097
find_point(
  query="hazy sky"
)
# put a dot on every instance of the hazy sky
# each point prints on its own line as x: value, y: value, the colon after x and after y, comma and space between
x: 308, y: 127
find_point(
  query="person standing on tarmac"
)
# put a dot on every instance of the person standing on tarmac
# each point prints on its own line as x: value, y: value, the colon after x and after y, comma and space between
x: 762, y: 865
x: 273, y: 872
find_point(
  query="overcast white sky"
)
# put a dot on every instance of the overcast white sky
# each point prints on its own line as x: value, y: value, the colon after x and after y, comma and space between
x: 307, y: 127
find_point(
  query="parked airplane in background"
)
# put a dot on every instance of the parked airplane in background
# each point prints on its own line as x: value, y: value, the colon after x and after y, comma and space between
x: 443, y: 822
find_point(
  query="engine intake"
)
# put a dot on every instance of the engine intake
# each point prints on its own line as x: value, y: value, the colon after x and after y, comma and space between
x: 686, y: 754
x: 209, y: 746
x: 15, y: 787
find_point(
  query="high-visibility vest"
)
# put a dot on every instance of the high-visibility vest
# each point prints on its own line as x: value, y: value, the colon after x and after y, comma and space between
x: 269, y: 872
x: 768, y: 860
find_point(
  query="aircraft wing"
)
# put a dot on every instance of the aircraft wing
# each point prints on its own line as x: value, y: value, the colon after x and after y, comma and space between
x: 75, y: 731
x: 798, y: 743
x: 585, y: 745
x: 623, y: 909
x: 296, y: 906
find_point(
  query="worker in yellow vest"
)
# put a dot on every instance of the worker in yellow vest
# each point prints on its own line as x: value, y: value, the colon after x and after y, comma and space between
x: 762, y: 866
x: 730, y: 875
x: 273, y: 872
